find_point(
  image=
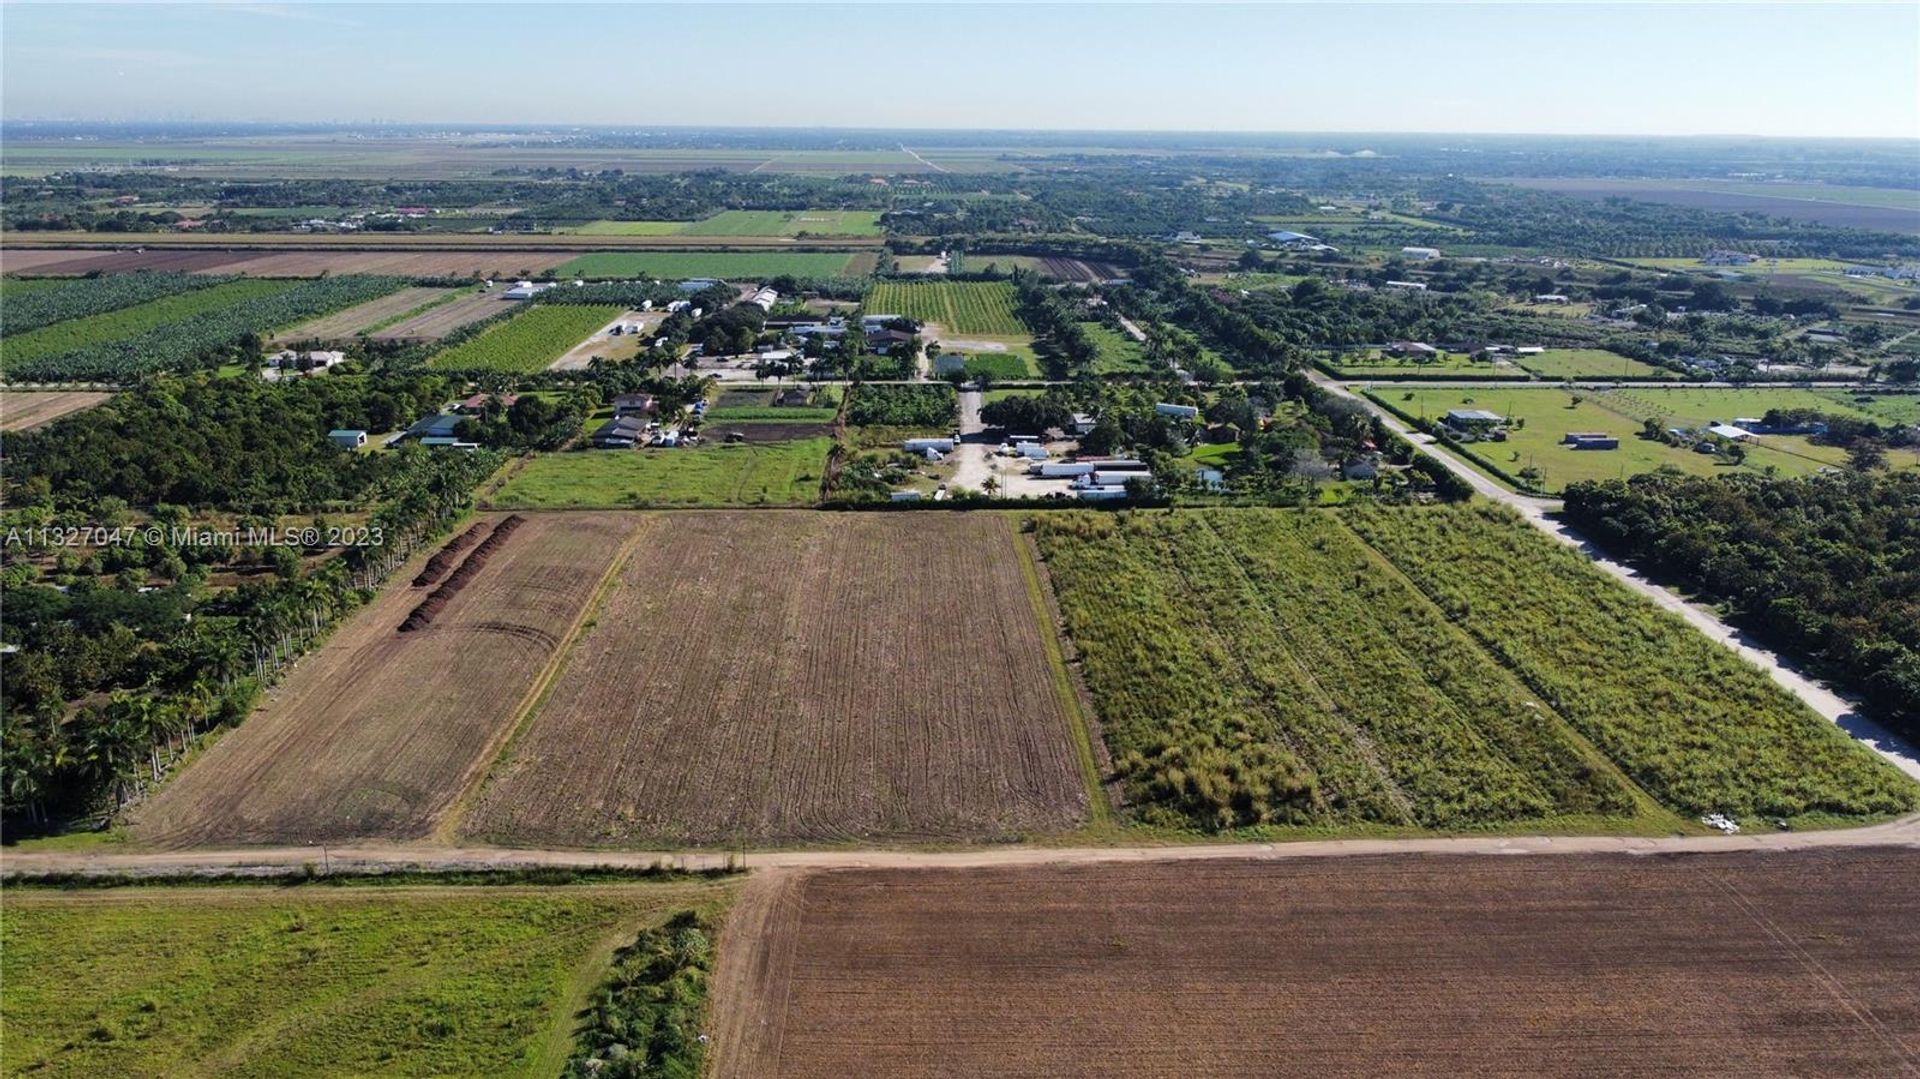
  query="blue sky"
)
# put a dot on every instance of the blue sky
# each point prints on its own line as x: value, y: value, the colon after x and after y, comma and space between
x: 1577, y: 68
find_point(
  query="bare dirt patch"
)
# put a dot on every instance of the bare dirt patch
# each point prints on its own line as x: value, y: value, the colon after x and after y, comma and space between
x: 376, y: 734
x: 1738, y: 964
x: 23, y: 411
x: 437, y: 322
x: 343, y: 325
x: 771, y: 676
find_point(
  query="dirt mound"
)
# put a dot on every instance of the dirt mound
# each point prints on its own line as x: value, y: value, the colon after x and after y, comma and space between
x: 437, y: 600
x: 443, y: 559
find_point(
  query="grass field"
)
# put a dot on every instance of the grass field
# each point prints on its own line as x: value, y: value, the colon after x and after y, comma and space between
x: 1589, y: 363
x: 807, y: 677
x: 1375, y: 364
x: 1894, y: 407
x: 769, y: 474
x: 1548, y: 965
x: 1119, y: 354
x: 629, y: 228
x: 529, y: 341
x: 729, y: 265
x: 244, y: 981
x: 1544, y: 418
x: 960, y: 307
x: 1001, y: 356
x: 379, y: 732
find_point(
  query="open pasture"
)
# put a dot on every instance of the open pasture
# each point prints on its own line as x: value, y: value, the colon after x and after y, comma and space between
x: 259, y: 981
x: 1882, y: 209
x: 746, y: 265
x: 377, y: 733
x: 21, y: 411
x: 780, y: 677
x: 1543, y: 417
x: 959, y: 307
x: 1549, y: 965
x: 713, y: 474
x: 529, y: 341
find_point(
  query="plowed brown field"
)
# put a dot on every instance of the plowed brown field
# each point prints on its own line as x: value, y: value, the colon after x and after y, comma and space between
x: 771, y: 676
x: 458, y: 263
x: 1742, y: 964
x: 437, y: 322
x: 377, y: 733
x: 22, y: 410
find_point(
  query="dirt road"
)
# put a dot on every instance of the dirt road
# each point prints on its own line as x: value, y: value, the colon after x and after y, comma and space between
x: 1831, y: 705
x: 973, y: 457
x: 374, y: 857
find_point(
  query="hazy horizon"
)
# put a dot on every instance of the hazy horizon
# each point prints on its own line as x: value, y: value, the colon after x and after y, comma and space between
x: 1574, y: 70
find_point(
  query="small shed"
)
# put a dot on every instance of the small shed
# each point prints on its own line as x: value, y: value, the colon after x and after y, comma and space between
x: 347, y: 438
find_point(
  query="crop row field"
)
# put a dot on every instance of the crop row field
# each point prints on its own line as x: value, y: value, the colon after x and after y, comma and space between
x: 760, y: 473
x: 380, y: 731
x: 259, y: 981
x: 959, y: 307
x: 1442, y: 668
x: 28, y: 304
x: 180, y: 329
x: 472, y: 263
x: 1548, y: 965
x: 529, y: 341
x: 435, y: 322
x: 730, y: 223
x: 784, y: 677
x: 728, y: 265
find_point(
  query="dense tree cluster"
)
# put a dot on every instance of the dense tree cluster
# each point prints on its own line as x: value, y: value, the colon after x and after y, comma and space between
x: 1827, y: 568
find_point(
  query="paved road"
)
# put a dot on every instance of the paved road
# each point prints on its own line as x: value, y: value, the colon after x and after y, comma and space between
x: 1836, y: 708
x: 372, y: 857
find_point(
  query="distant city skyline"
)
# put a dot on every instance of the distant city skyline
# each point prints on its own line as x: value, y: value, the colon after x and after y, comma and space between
x: 1449, y: 68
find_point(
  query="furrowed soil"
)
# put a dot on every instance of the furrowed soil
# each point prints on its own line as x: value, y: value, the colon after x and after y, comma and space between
x: 770, y: 677
x: 376, y: 734
x: 1741, y: 964
x: 22, y: 411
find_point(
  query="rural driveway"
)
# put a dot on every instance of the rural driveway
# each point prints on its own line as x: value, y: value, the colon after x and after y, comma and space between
x: 271, y: 861
x: 973, y: 457
x: 1834, y: 707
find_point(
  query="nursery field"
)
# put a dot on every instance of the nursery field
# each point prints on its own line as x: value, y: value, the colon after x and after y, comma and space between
x: 1315, y: 685
x: 528, y: 341
x: 433, y: 323
x: 802, y: 677
x: 764, y: 474
x: 21, y: 411
x: 377, y: 733
x: 745, y: 265
x: 1688, y: 721
x: 1553, y: 965
x: 246, y: 981
x: 1437, y: 668
x: 960, y: 307
x: 119, y: 324
x: 35, y: 302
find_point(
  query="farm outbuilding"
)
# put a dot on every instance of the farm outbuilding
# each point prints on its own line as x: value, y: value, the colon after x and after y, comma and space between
x: 1178, y: 412
x: 620, y: 433
x: 347, y: 438
x: 920, y: 445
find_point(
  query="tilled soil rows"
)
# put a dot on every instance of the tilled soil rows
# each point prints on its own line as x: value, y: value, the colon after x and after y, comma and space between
x: 782, y: 676
x: 375, y: 735
x: 1779, y: 963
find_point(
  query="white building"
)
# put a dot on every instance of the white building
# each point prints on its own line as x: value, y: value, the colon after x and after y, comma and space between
x: 1420, y: 254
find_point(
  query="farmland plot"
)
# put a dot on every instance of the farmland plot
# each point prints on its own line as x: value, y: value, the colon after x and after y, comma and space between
x: 529, y: 341
x: 25, y: 411
x: 1691, y: 723
x: 342, y: 325
x: 1551, y: 965
x: 377, y: 733
x: 437, y: 322
x: 1258, y: 668
x: 29, y: 305
x: 778, y: 677
x: 960, y: 307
